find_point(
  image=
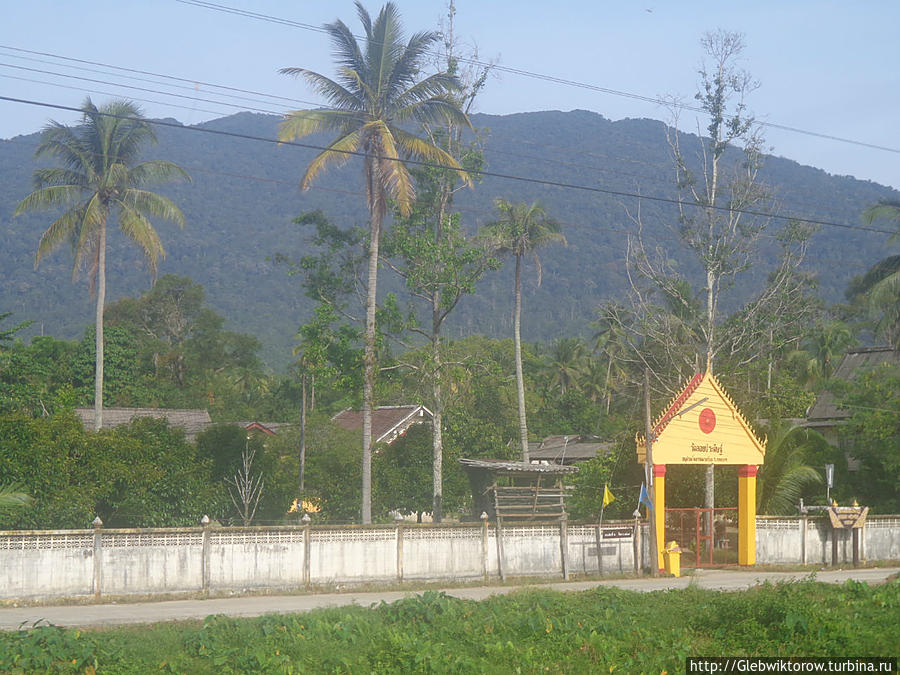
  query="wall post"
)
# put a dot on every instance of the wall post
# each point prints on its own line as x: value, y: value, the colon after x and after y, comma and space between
x: 307, y: 546
x: 564, y: 544
x: 98, y: 556
x: 485, y: 551
x: 398, y: 519
x: 804, y: 526
x: 204, y: 556
x: 638, y: 547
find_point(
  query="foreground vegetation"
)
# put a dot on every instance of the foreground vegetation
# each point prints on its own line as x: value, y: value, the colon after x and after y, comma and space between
x: 603, y: 630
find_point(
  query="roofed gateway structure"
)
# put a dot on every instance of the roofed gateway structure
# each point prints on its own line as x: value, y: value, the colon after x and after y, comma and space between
x: 702, y: 425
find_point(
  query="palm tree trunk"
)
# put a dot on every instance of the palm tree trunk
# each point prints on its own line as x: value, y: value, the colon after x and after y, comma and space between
x: 302, y: 470
x: 376, y: 210
x: 98, y: 329
x: 520, y: 378
x: 437, y: 440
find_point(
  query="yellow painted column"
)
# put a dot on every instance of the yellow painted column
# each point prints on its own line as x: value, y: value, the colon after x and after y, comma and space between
x: 659, y: 511
x: 747, y: 514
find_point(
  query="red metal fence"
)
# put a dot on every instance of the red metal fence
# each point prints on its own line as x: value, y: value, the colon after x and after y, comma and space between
x: 707, y: 537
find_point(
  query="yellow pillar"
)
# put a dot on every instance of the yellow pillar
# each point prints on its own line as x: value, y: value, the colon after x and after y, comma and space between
x: 747, y: 514
x: 659, y: 511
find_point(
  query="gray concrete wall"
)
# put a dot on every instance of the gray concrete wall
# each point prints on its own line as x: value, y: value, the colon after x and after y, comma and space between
x: 71, y: 563
x: 808, y: 541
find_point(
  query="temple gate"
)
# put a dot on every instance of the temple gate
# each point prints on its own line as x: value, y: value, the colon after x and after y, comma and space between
x: 702, y: 425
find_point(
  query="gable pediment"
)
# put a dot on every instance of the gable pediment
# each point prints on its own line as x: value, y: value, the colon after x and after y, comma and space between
x: 702, y: 425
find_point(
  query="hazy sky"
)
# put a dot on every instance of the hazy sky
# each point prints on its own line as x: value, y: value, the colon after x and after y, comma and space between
x: 830, y: 68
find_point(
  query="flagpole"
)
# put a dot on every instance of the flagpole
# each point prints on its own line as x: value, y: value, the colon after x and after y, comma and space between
x: 600, y: 533
x: 648, y: 465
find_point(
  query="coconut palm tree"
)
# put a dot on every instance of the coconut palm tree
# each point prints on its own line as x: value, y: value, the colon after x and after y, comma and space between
x: 520, y: 230
x: 881, y: 283
x: 376, y: 95
x: 785, y: 474
x: 566, y: 364
x: 101, y: 179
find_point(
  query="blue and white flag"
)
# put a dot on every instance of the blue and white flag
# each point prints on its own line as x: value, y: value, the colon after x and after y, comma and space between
x: 645, y: 497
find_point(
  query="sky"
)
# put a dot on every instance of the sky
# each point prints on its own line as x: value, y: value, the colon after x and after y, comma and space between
x: 829, y: 70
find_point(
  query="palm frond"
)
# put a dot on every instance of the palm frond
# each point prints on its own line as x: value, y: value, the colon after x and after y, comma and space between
x: 156, y: 171
x: 337, y: 154
x: 405, y: 69
x: 150, y: 203
x: 301, y: 123
x: 12, y: 496
x: 134, y: 224
x: 48, y: 197
x: 414, y: 146
x: 49, y: 176
x: 887, y: 209
x: 346, y: 49
x: 394, y: 175
x: 437, y: 85
x: 65, y: 227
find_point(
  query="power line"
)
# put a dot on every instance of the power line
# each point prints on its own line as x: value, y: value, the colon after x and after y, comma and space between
x: 492, y: 174
x: 540, y: 76
x: 131, y: 86
x: 593, y: 227
x: 109, y: 93
x: 146, y: 72
x: 654, y: 179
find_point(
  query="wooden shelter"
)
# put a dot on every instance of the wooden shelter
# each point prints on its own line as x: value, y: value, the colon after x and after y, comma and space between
x: 517, y: 491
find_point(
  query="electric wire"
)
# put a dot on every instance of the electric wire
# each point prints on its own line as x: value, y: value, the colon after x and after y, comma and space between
x: 655, y: 178
x: 541, y: 76
x: 492, y: 174
x: 544, y: 160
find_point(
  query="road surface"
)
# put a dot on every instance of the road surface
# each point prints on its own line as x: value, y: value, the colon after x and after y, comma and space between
x: 12, y: 618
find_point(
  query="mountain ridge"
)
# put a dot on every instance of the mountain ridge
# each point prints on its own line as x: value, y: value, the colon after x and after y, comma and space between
x: 244, y: 196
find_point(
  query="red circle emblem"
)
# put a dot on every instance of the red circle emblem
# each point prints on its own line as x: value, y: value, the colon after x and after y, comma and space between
x: 707, y: 420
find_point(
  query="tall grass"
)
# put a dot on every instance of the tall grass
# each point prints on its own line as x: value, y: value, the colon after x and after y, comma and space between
x: 532, y: 631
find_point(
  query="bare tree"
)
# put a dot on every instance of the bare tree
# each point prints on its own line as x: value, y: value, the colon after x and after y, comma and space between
x: 245, y: 488
x: 720, y: 197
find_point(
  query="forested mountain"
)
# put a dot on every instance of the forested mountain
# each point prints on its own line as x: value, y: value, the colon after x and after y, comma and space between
x: 244, y: 196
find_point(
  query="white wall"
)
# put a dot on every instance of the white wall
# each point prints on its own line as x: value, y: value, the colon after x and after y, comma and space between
x: 54, y: 564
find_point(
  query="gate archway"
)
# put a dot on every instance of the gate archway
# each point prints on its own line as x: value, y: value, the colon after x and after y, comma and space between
x: 702, y: 425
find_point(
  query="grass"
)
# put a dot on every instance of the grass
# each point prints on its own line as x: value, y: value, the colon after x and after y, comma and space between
x: 529, y: 631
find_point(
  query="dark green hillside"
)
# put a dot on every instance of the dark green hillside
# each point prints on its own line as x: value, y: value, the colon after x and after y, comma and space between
x: 244, y: 195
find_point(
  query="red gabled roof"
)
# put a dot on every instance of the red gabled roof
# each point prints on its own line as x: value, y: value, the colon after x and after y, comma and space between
x: 256, y: 426
x: 388, y: 422
x: 677, y: 403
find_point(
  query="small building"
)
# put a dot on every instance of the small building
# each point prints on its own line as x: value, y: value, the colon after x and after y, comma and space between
x: 517, y: 491
x: 568, y: 449
x: 826, y: 416
x: 389, y: 422
x: 193, y: 421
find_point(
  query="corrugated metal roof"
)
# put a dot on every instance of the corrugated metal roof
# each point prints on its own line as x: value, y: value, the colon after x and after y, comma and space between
x: 562, y: 449
x: 854, y: 364
x: 504, y: 466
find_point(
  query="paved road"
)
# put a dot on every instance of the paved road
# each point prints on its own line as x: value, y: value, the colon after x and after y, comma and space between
x: 174, y: 610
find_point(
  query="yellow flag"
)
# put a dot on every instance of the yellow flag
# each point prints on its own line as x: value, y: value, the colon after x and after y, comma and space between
x: 607, y: 496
